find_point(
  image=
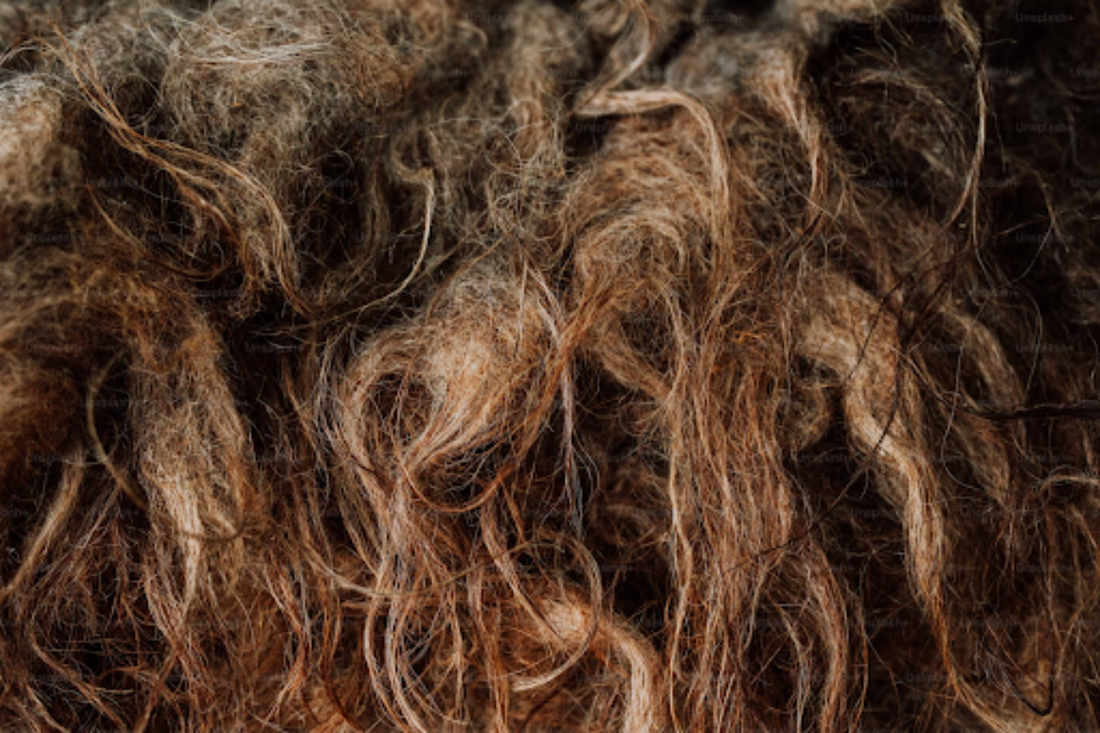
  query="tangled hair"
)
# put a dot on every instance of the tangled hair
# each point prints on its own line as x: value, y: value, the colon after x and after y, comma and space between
x: 523, y: 365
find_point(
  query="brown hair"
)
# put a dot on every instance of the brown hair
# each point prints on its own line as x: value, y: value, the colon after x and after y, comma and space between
x: 515, y: 365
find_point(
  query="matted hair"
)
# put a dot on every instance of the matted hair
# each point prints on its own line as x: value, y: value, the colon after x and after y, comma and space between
x: 523, y: 365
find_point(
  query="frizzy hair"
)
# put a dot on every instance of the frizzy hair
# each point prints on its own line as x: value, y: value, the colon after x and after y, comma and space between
x: 435, y: 365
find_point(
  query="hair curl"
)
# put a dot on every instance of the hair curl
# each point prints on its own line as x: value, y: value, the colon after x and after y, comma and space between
x: 511, y: 365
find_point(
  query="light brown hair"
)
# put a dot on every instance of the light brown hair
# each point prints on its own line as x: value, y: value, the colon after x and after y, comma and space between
x: 517, y: 365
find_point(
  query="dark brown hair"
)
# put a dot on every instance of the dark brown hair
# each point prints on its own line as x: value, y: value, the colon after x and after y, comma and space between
x: 522, y: 365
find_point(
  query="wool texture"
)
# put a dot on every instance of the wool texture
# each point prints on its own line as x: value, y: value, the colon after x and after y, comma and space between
x: 549, y: 365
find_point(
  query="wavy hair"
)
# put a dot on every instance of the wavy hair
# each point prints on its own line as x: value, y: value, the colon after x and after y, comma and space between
x: 539, y: 365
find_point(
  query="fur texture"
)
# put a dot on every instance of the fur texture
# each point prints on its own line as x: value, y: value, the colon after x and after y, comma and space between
x: 522, y: 365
